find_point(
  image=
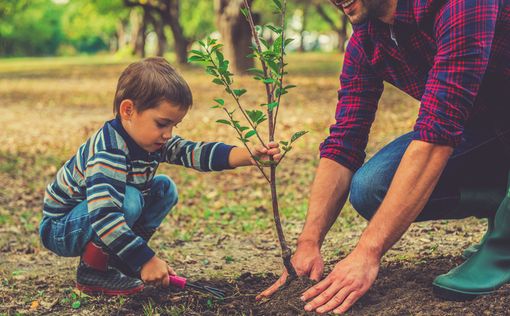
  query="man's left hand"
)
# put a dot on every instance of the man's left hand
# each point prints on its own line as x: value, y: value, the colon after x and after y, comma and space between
x: 350, y: 279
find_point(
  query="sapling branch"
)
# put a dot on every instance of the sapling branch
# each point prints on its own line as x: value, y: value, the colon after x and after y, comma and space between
x: 247, y: 147
x: 236, y: 98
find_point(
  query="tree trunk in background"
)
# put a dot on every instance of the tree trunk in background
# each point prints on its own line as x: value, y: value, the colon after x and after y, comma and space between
x: 181, y: 43
x: 341, y: 30
x: 139, y: 27
x: 303, y: 27
x: 235, y: 34
x: 159, y: 29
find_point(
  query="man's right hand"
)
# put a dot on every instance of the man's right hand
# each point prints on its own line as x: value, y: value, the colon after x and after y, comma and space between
x: 156, y: 272
x: 307, y: 260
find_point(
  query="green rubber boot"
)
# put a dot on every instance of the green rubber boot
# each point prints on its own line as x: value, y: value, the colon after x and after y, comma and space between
x: 487, y: 269
x: 471, y: 250
x: 480, y: 201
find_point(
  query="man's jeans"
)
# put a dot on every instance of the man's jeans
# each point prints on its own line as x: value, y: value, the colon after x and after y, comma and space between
x: 481, y: 161
x: 67, y: 236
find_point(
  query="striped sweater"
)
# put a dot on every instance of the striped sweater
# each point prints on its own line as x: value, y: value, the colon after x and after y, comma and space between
x: 103, y: 166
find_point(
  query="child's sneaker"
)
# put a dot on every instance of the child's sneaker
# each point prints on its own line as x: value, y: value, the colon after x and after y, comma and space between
x: 94, y: 275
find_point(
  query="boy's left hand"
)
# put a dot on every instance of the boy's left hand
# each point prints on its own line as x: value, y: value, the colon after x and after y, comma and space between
x: 264, y: 154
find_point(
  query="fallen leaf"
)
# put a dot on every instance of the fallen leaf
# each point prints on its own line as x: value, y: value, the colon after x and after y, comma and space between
x: 34, y: 305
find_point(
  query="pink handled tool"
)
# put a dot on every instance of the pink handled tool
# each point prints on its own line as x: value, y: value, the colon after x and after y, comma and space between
x: 181, y: 282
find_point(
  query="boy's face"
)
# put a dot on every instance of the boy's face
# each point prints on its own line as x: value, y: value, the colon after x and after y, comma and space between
x: 151, y: 128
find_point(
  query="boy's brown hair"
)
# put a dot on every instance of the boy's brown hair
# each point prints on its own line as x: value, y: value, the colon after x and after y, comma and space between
x: 149, y: 82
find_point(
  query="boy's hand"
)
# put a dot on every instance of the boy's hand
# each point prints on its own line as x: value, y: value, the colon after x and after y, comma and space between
x: 264, y: 154
x: 156, y: 272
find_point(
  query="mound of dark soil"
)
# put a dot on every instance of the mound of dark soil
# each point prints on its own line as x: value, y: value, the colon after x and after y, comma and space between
x: 402, y: 288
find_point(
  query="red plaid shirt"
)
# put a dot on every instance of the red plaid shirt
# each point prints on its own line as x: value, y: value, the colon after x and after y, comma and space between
x: 452, y: 55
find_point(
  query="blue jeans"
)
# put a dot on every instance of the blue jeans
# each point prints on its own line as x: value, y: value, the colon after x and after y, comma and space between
x: 67, y: 236
x: 480, y: 161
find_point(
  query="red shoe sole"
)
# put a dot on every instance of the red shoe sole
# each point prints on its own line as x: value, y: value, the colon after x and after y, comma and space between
x: 87, y: 289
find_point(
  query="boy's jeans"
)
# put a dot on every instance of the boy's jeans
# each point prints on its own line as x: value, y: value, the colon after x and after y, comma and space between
x: 67, y: 236
x: 481, y: 161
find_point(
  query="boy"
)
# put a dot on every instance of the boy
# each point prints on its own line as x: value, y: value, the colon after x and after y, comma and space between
x: 106, y: 202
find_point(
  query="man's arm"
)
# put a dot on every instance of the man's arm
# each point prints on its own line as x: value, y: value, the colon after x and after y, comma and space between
x: 414, y: 181
x: 329, y: 193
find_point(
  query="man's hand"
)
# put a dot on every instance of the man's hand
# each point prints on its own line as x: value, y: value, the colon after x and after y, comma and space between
x: 307, y: 261
x: 156, y: 272
x: 350, y: 279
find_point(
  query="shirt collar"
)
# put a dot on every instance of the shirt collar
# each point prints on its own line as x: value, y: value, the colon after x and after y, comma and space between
x: 135, y: 151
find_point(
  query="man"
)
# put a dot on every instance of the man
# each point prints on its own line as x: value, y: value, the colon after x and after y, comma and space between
x: 453, y: 56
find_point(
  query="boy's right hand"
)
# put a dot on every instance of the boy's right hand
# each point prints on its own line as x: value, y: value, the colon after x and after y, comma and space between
x: 156, y: 272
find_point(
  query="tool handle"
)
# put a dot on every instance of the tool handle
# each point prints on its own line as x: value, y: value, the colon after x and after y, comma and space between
x: 177, y: 281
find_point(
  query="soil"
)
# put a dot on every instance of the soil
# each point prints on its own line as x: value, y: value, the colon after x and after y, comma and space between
x: 402, y: 288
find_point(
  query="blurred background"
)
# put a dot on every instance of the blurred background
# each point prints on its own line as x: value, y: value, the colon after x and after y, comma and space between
x: 164, y: 28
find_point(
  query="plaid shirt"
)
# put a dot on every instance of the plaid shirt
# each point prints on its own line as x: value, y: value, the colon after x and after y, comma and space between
x: 452, y: 55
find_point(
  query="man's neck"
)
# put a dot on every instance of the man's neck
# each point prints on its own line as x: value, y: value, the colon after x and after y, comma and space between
x: 389, y: 17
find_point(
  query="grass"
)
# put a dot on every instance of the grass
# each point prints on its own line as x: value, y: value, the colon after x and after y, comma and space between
x: 222, y: 225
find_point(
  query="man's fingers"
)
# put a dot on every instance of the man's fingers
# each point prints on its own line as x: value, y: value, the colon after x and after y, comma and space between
x: 323, y: 297
x: 270, y: 290
x: 171, y: 271
x: 335, y: 301
x: 273, y: 145
x: 348, y: 302
x: 316, y: 273
x: 316, y: 289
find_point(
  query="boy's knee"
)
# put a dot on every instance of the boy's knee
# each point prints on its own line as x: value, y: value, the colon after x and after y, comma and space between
x: 165, y: 189
x: 133, y: 205
x: 367, y: 192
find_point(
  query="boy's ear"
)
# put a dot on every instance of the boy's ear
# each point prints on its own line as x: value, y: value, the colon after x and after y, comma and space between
x: 126, y: 109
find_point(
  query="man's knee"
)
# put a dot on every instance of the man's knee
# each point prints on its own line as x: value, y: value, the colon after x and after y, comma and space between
x: 367, y: 192
x: 133, y: 205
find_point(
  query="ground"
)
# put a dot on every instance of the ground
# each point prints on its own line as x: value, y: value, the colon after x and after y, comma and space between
x: 221, y: 232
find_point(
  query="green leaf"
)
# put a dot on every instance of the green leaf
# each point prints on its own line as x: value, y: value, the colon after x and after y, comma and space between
x: 245, y: 12
x: 243, y: 128
x: 250, y: 134
x: 224, y: 122
x: 278, y: 4
x: 255, y: 115
x: 277, y: 30
x: 244, y: 140
x: 256, y: 71
x: 218, y: 81
x: 288, y: 41
x: 284, y: 143
x: 195, y: 58
x: 239, y: 92
x: 269, y: 80
x: 215, y: 107
x: 297, y: 135
x: 220, y: 101
x: 76, y: 304
x: 197, y: 52
x: 272, y: 105
x: 290, y: 86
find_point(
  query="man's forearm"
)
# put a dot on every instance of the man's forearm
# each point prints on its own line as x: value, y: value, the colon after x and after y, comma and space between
x: 412, y: 185
x: 329, y: 192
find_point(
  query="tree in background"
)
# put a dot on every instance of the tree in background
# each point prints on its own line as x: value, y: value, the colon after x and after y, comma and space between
x: 235, y: 34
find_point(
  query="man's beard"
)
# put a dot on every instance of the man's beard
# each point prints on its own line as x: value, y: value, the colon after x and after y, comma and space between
x: 370, y: 9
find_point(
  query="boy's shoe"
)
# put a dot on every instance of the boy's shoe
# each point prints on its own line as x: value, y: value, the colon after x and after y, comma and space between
x: 95, y: 276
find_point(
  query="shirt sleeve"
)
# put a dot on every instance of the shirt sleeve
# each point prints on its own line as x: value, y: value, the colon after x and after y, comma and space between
x: 357, y: 103
x: 201, y: 156
x: 464, y: 30
x: 106, y: 175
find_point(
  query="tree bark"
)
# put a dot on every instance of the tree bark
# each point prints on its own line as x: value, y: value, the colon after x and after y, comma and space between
x: 235, y: 34
x: 341, y: 30
x: 181, y: 43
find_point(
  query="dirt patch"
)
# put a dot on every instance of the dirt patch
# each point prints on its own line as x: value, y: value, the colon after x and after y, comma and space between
x: 402, y: 288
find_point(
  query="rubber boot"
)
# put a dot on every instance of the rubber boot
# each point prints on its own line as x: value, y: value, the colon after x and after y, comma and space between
x: 471, y: 250
x: 479, y: 201
x: 95, y: 276
x: 116, y: 262
x: 487, y: 270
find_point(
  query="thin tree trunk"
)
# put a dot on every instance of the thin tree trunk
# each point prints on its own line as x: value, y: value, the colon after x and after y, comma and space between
x: 235, y: 34
x: 341, y: 31
x: 303, y: 28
